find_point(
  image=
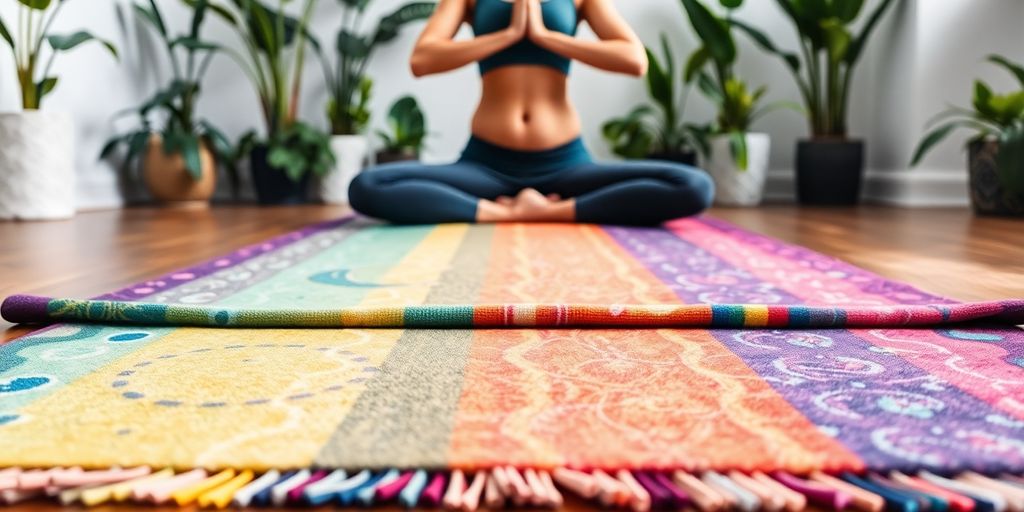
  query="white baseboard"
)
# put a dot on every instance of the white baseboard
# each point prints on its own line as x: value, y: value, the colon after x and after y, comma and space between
x: 908, y: 188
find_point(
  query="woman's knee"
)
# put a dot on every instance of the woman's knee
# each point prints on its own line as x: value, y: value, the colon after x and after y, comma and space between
x: 695, y: 187
x: 361, y: 192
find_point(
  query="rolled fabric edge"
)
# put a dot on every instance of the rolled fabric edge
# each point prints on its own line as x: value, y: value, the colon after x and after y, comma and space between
x: 28, y: 309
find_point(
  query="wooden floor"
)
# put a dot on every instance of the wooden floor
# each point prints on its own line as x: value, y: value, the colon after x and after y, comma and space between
x: 949, y: 252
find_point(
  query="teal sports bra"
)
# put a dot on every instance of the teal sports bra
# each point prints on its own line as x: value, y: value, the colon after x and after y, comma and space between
x: 494, y: 15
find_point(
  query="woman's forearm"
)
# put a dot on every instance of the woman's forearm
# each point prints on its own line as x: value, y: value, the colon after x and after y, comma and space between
x: 445, y: 54
x: 611, y: 55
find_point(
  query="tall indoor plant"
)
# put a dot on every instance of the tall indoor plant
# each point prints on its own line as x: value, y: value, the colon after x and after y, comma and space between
x: 657, y: 134
x: 830, y: 165
x: 349, y: 87
x: 275, y: 45
x: 407, y: 129
x: 996, y: 152
x: 736, y: 159
x: 37, y: 175
x: 179, y: 166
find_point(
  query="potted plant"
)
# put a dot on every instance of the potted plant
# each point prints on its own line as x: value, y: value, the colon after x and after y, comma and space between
x: 830, y: 165
x: 349, y: 88
x: 179, y: 166
x: 282, y: 162
x: 408, y: 129
x: 736, y: 159
x: 661, y: 135
x: 996, y: 152
x: 37, y: 174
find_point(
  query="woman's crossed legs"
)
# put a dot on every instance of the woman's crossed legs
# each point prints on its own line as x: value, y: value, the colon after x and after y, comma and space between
x: 625, y: 193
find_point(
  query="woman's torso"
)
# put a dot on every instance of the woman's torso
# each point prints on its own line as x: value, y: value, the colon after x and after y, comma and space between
x: 525, y: 106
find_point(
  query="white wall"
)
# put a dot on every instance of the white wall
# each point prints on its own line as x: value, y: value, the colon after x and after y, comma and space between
x: 924, y: 56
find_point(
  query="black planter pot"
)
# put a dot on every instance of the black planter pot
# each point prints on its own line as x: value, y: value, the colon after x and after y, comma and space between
x: 681, y: 157
x: 387, y: 157
x: 989, y: 195
x: 273, y: 186
x: 829, y: 172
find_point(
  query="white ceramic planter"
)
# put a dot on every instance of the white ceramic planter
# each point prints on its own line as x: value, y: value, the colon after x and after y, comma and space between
x: 37, y: 171
x: 735, y: 186
x: 351, y: 153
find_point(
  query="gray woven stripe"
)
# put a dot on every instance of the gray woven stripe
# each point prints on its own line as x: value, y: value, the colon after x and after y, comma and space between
x: 405, y: 417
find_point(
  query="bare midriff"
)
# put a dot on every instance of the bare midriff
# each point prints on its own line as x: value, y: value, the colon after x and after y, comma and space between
x: 526, y: 108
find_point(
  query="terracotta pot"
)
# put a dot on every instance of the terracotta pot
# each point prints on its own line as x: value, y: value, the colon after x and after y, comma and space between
x: 169, y: 181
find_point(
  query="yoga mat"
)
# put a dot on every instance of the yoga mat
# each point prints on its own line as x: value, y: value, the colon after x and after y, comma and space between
x: 465, y: 347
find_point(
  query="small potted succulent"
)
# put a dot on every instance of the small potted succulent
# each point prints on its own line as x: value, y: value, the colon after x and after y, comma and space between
x: 178, y: 160
x: 283, y: 161
x: 350, y: 89
x: 408, y: 128
x: 830, y: 165
x: 736, y: 158
x: 996, y: 152
x: 37, y: 174
x: 656, y: 135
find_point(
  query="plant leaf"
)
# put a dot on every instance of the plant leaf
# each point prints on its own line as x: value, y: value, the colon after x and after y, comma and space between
x: 762, y: 40
x: 45, y: 87
x: 70, y: 41
x: 192, y: 43
x: 6, y: 35
x: 658, y: 81
x: 151, y: 15
x: 709, y: 88
x: 859, y: 42
x: 190, y: 153
x: 1016, y: 69
x: 731, y: 4
x: 837, y: 39
x: 39, y: 5
x: 738, y: 148
x: 389, y: 25
x: 847, y: 10
x: 931, y: 139
x: 696, y: 63
x: 712, y: 31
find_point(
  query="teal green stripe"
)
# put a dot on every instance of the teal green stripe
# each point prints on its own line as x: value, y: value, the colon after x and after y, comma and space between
x: 439, y: 316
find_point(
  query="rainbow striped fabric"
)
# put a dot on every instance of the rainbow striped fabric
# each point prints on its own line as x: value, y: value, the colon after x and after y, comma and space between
x: 754, y: 356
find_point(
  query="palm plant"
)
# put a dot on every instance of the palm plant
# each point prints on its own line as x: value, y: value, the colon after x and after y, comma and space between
x: 830, y: 52
x: 348, y: 86
x: 737, y: 105
x: 275, y: 49
x: 645, y: 131
x: 182, y: 132
x: 35, y: 19
x: 994, y: 116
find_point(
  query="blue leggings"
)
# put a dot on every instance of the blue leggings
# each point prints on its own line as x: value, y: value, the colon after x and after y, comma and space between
x: 641, y: 193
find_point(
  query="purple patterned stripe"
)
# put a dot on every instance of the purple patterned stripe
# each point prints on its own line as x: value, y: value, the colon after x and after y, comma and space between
x: 869, y: 282
x: 891, y: 413
x: 177, y: 278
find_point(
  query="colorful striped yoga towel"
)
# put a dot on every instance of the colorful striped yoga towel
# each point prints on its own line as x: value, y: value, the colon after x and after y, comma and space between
x: 736, y: 371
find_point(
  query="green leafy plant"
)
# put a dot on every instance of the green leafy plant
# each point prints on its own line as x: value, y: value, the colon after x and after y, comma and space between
x: 408, y: 127
x: 35, y: 18
x: 348, y: 86
x: 175, y: 105
x: 645, y: 131
x: 830, y: 51
x: 998, y: 116
x: 275, y: 51
x: 300, y: 149
x: 738, y: 107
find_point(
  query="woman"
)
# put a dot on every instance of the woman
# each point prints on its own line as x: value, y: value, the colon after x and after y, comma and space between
x: 525, y: 161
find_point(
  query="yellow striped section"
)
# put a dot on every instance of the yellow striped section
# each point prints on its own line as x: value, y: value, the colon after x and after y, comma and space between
x: 755, y: 316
